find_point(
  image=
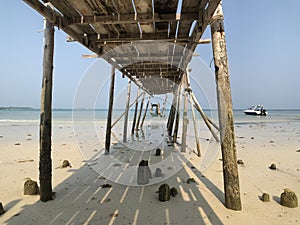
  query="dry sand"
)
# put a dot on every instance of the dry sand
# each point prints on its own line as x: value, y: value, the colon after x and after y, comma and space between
x: 80, y: 199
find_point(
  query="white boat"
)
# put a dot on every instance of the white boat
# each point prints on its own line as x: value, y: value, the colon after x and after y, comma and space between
x: 256, y: 110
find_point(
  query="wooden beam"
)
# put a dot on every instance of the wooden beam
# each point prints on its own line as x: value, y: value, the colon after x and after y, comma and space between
x: 120, y: 117
x: 163, y: 36
x: 45, y: 163
x: 132, y: 61
x: 129, y: 18
x: 130, y: 76
x: 204, y: 117
x: 115, y: 42
x: 126, y: 112
x: 62, y: 22
x: 44, y: 11
x: 109, y: 112
x: 206, y: 11
x: 228, y: 147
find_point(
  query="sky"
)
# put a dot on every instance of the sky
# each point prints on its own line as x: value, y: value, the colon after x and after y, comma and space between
x: 262, y: 43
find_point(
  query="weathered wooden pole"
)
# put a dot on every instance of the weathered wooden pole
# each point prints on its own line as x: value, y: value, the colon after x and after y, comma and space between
x: 145, y: 113
x: 230, y: 169
x: 189, y: 90
x: 135, y: 113
x: 109, y: 112
x: 126, y: 111
x: 164, y: 105
x: 172, y: 115
x: 204, y: 117
x: 177, y: 118
x: 45, y: 164
x: 140, y: 113
x: 196, y: 131
x: 185, y: 119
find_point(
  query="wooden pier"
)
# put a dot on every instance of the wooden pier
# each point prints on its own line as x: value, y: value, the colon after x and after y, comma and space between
x: 104, y: 27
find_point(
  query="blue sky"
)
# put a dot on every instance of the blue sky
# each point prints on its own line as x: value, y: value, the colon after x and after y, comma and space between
x: 262, y: 41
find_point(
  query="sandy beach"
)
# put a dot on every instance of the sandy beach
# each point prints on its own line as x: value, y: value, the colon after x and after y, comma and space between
x: 81, y: 198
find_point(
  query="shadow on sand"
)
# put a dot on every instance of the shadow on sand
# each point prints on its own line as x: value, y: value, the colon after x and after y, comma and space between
x: 82, y: 199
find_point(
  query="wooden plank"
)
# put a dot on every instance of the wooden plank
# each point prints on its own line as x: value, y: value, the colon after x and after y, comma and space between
x: 164, y: 7
x: 65, y: 8
x: 110, y: 110
x: 45, y: 163
x: 109, y: 8
x: 228, y: 147
x: 121, y: 7
x: 85, y: 8
x: 145, y: 6
x: 125, y: 6
x: 188, y: 6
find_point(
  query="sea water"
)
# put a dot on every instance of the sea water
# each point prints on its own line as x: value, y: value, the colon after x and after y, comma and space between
x: 31, y: 116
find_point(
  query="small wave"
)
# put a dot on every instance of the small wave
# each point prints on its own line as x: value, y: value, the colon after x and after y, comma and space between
x: 19, y: 121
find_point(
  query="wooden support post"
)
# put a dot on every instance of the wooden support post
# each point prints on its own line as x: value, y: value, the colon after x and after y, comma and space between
x: 175, y: 134
x: 126, y: 112
x: 135, y: 112
x: 164, y: 106
x: 189, y: 90
x: 196, y: 131
x: 172, y: 115
x: 230, y: 169
x: 109, y: 113
x: 171, y: 112
x: 140, y: 113
x: 45, y: 164
x: 145, y: 113
x: 185, y: 118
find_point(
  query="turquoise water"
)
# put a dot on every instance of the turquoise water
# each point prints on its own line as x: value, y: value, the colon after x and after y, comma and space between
x: 15, y: 116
